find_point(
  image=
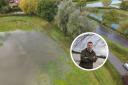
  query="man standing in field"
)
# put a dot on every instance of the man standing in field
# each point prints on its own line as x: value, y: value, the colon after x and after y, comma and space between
x: 88, y: 56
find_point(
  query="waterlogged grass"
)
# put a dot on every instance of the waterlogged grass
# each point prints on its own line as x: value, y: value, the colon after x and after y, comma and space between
x: 10, y: 23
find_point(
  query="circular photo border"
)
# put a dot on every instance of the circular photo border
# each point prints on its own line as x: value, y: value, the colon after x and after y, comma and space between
x: 72, y: 55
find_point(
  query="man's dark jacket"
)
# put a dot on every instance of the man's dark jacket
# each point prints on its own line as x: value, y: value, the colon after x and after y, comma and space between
x: 87, y: 59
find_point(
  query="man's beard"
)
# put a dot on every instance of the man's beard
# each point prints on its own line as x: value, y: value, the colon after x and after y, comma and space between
x: 89, y: 49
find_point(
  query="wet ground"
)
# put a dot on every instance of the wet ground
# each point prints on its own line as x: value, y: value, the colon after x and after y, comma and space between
x: 23, y: 54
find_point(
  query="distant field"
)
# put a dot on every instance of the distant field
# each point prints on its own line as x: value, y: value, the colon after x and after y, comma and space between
x: 11, y: 23
x: 61, y: 71
x: 123, y: 19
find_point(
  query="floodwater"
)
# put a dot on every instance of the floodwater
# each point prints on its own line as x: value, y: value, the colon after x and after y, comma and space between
x: 112, y: 36
x: 22, y: 55
x: 100, y: 4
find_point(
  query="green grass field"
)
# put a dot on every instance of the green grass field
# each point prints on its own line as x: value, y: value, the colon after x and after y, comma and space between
x: 61, y: 71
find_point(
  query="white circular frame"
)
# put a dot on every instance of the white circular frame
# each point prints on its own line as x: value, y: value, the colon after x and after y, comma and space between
x: 97, y: 66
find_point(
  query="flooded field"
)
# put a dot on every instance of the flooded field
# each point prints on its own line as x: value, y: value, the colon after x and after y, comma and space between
x: 22, y: 54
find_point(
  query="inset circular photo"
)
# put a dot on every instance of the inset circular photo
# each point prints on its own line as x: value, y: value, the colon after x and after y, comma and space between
x: 89, y: 51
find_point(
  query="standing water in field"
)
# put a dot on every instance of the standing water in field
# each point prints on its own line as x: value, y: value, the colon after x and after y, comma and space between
x: 22, y: 54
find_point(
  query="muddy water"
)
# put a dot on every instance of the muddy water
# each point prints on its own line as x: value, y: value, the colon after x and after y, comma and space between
x: 22, y: 54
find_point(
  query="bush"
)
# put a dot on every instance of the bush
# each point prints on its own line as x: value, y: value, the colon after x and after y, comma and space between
x: 106, y: 3
x: 124, y: 5
x: 29, y: 6
x: 3, y: 6
x: 2, y: 3
x: 47, y: 9
x: 5, y: 9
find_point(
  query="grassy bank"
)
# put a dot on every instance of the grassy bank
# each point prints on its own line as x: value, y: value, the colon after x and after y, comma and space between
x: 62, y: 71
x: 120, y: 51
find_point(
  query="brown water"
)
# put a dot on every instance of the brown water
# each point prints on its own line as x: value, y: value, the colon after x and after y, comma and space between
x: 22, y: 54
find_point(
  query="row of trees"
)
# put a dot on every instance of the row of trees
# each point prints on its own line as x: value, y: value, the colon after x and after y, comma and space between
x: 67, y: 14
x: 47, y: 9
x: 44, y: 8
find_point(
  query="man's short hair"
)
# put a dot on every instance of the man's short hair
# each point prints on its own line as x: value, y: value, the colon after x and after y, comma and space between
x: 90, y: 42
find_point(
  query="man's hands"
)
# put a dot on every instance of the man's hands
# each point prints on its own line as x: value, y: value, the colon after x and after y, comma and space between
x: 92, y: 59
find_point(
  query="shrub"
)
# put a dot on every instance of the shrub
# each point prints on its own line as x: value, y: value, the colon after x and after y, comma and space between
x: 47, y: 9
x: 3, y: 6
x: 5, y: 9
x: 28, y: 6
x: 124, y: 5
x: 2, y: 3
x: 106, y: 3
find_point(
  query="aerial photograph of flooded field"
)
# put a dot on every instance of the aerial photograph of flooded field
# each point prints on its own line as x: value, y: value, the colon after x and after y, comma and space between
x: 36, y: 37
